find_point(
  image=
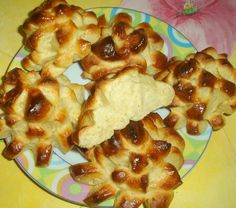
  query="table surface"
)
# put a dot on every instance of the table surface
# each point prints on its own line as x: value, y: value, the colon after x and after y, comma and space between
x: 212, y: 182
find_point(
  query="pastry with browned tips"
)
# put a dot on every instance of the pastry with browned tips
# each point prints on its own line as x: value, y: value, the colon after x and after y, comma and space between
x: 58, y: 34
x: 204, y: 85
x: 122, y: 45
x: 137, y: 165
x: 38, y: 113
x: 130, y: 95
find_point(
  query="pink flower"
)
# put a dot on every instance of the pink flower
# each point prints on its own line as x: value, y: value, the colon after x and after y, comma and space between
x: 204, y: 22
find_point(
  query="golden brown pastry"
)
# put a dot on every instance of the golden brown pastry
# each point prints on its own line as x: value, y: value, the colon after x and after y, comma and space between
x: 122, y: 45
x: 137, y: 165
x: 58, y: 34
x: 130, y: 95
x: 204, y: 85
x: 38, y: 113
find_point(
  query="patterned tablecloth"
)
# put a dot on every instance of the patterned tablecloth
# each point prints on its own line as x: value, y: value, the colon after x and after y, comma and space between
x: 212, y: 182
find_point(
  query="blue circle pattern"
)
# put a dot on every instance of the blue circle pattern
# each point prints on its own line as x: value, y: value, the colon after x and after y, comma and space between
x: 173, y: 37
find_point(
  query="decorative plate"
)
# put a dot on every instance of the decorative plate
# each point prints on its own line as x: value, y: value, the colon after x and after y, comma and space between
x: 56, y: 178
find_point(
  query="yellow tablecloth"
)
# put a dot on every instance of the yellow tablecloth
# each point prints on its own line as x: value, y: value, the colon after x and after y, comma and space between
x: 212, y: 182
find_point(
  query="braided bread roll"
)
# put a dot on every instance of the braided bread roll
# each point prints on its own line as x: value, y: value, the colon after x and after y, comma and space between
x: 122, y: 45
x: 38, y: 113
x: 137, y: 165
x: 204, y: 85
x: 58, y: 34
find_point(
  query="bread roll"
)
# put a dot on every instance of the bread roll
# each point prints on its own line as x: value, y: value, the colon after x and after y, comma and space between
x: 122, y: 45
x: 137, y: 165
x: 38, y: 113
x: 56, y: 35
x: 130, y: 95
x: 204, y: 85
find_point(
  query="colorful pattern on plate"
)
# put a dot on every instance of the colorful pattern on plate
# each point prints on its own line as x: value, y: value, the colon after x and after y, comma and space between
x: 55, y: 178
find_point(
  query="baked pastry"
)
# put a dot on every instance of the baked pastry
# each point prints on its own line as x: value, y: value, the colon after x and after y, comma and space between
x: 204, y: 85
x: 58, y: 34
x: 137, y: 165
x: 38, y: 113
x: 130, y: 95
x: 122, y: 45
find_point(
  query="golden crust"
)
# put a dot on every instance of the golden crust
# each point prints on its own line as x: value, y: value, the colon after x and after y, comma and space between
x: 58, y: 34
x: 128, y: 96
x: 204, y: 85
x: 38, y: 113
x: 122, y: 45
x: 133, y: 166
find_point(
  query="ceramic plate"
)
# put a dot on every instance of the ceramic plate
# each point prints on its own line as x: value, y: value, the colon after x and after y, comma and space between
x: 56, y: 178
